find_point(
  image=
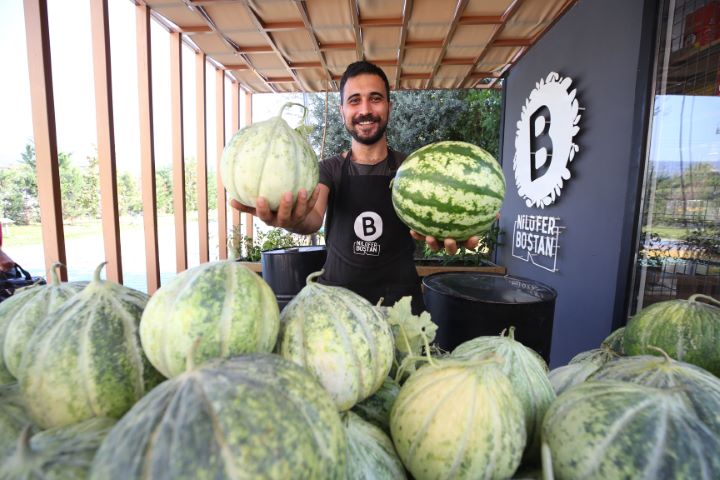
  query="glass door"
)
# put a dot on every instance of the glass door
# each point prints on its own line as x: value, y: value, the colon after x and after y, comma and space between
x: 679, y: 239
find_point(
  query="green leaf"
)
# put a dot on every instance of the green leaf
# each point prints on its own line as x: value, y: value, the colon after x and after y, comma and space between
x: 409, y: 329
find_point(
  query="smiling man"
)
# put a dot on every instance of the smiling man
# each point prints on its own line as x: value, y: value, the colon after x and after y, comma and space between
x: 369, y: 250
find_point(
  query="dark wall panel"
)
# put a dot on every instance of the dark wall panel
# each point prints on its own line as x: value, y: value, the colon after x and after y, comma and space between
x: 599, y: 45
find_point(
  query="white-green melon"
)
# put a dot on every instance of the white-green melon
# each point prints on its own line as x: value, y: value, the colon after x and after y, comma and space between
x: 85, y: 360
x: 371, y: 454
x: 230, y: 308
x: 340, y: 337
x: 459, y: 419
x: 23, y: 312
x: 267, y: 159
x: 255, y: 416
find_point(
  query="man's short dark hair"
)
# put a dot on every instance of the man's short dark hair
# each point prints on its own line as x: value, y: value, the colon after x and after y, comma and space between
x: 360, y: 68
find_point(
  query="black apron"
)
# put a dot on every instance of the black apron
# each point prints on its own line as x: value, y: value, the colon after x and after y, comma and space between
x: 369, y: 250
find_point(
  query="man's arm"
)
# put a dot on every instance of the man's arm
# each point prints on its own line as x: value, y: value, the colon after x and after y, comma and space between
x: 306, y: 218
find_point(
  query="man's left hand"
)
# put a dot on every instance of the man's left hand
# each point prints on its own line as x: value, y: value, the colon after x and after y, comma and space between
x: 450, y: 244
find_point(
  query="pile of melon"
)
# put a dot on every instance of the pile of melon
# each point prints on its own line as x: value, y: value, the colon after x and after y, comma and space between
x: 206, y: 379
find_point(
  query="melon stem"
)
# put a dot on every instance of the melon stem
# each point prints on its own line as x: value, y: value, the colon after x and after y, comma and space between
x: 55, y: 278
x: 288, y: 104
x: 96, y: 275
x: 668, y: 358
x: 313, y: 276
x: 707, y: 298
x: 24, y: 452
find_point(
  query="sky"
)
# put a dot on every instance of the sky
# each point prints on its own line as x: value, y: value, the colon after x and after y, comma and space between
x: 74, y: 95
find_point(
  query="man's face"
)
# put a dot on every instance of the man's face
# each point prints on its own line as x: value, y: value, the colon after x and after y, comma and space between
x: 365, y: 108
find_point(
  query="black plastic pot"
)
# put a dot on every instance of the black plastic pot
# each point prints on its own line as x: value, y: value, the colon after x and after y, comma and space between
x: 286, y: 269
x: 466, y: 305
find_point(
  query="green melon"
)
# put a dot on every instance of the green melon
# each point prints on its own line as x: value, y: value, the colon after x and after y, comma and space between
x: 459, y: 419
x: 371, y: 454
x: 252, y: 416
x: 13, y: 419
x: 611, y: 429
x: 84, y: 360
x: 340, y: 337
x: 580, y: 367
x: 697, y: 386
x: 527, y: 372
x: 449, y: 190
x: 615, y: 341
x: 61, y: 453
x: 688, y: 330
x: 24, y: 311
x: 376, y: 408
x: 224, y: 303
x: 268, y: 159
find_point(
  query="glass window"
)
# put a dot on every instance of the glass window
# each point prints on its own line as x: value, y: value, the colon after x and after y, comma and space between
x: 679, y: 244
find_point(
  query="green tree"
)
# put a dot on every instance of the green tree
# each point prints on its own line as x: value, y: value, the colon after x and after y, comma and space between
x: 163, y: 189
x: 129, y: 201
x: 89, y: 194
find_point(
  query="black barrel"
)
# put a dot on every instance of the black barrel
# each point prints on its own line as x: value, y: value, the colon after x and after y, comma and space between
x: 286, y: 269
x: 466, y: 305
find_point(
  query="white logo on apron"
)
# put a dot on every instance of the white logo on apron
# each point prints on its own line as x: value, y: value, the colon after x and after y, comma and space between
x: 368, y: 226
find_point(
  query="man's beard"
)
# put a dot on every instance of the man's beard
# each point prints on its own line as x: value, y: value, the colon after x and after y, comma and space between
x: 367, y: 140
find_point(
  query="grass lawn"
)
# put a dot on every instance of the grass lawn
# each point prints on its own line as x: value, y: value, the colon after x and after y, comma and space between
x: 669, y: 233
x: 18, y: 235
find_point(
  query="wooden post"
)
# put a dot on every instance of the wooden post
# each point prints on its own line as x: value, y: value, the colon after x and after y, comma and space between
x: 43, y: 115
x: 202, y: 180
x: 178, y: 160
x: 220, y: 145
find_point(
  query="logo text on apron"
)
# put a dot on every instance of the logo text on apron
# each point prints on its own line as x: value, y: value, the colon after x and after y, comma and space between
x: 368, y: 227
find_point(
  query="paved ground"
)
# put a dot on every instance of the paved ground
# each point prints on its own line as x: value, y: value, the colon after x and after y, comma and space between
x: 85, y: 254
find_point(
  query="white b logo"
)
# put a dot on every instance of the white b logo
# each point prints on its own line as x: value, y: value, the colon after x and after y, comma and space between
x: 537, y: 183
x: 368, y: 226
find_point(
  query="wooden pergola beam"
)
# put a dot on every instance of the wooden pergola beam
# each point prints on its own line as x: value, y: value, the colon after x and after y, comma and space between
x: 147, y: 148
x: 304, y: 14
x: 459, y: 8
x: 509, y: 12
x: 259, y: 25
x: 357, y: 30
x: 44, y: 133
x: 99, y: 20
x: 178, y: 151
x: 407, y: 11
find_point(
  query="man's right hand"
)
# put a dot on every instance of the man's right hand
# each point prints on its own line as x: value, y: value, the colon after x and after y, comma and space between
x: 286, y: 216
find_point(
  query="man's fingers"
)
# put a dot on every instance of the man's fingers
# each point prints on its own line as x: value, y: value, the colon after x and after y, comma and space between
x: 417, y: 236
x: 301, y: 205
x: 263, y: 211
x: 432, y: 243
x: 284, y: 211
x: 471, y: 243
x: 450, y: 246
x: 243, y: 208
x: 313, y: 199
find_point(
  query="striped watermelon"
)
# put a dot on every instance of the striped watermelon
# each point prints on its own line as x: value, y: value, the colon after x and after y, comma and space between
x: 459, y: 419
x: 254, y: 416
x: 224, y: 303
x: 24, y: 311
x: 340, y: 337
x: 449, y: 190
x: 611, y: 429
x: 60, y: 453
x: 84, y: 360
x: 268, y: 159
x: 688, y: 330
x: 371, y: 454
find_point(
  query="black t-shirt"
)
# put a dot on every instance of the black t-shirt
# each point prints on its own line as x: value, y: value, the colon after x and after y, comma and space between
x: 331, y: 169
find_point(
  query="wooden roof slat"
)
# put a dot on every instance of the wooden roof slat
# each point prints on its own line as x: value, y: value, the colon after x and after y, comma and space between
x: 258, y: 23
x: 304, y: 14
x: 235, y: 48
x: 355, y: 15
x: 407, y: 11
x: 509, y: 11
x: 459, y: 8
